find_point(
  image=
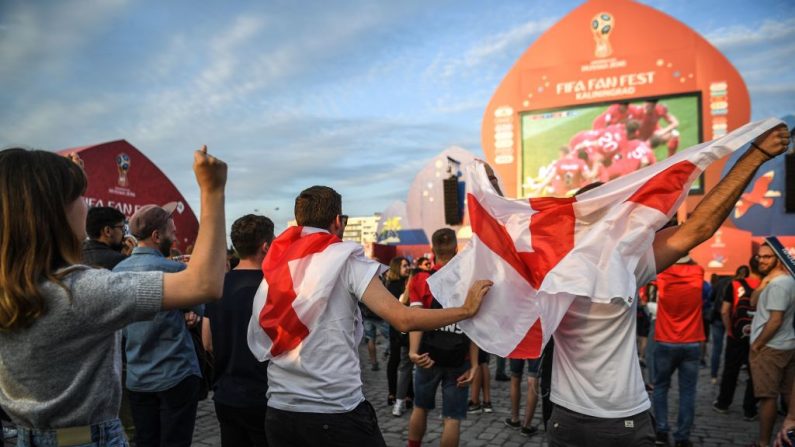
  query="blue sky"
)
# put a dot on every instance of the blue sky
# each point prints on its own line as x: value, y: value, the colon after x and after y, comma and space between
x: 357, y: 95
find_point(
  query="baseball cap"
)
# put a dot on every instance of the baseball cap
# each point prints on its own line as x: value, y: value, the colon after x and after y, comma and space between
x: 149, y: 218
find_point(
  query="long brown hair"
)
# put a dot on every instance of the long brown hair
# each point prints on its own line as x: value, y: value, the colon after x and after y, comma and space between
x: 35, y: 236
x: 393, y: 274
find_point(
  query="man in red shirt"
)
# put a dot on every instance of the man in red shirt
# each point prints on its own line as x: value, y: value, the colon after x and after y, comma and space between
x: 679, y: 331
x: 737, y: 345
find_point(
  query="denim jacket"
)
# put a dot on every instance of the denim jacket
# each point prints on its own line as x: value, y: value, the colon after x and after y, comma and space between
x: 160, y: 352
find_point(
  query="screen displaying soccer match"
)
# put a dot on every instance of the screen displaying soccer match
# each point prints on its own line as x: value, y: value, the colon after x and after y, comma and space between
x: 566, y: 149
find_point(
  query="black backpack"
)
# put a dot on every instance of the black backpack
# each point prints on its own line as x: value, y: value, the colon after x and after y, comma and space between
x: 719, y: 291
x: 741, y: 312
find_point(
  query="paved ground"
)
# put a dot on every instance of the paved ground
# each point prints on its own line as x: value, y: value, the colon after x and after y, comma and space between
x: 711, y: 429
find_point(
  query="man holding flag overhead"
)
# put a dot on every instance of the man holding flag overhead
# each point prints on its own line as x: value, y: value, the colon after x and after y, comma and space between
x: 569, y: 267
x: 306, y: 321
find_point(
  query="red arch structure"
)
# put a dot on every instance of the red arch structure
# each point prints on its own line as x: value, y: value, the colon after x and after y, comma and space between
x: 122, y: 177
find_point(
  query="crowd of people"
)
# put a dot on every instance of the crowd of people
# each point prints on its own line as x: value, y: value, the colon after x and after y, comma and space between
x: 141, y: 338
x: 621, y: 140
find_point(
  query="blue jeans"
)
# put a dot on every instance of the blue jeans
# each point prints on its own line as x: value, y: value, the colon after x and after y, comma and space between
x: 454, y: 398
x: 669, y: 357
x: 718, y: 333
x: 104, y: 434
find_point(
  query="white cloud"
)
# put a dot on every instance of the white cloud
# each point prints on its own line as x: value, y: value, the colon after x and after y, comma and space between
x: 33, y: 37
x: 487, y: 50
x: 739, y: 36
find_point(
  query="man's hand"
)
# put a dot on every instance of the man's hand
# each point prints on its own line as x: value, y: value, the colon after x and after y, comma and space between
x: 421, y: 360
x: 466, y: 378
x: 192, y: 319
x: 774, y: 142
x: 210, y: 171
x: 128, y: 243
x: 475, y: 295
x: 782, y: 439
x: 756, y: 346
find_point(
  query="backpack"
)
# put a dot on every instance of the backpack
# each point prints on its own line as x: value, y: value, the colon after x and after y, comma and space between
x: 741, y: 311
x: 719, y: 291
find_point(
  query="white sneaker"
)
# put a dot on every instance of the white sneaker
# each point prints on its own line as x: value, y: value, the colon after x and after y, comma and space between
x: 398, y: 408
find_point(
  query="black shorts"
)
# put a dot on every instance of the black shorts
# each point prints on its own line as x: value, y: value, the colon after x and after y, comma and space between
x: 483, y: 357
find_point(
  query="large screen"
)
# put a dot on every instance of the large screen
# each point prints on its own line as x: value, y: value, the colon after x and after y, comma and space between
x: 566, y: 149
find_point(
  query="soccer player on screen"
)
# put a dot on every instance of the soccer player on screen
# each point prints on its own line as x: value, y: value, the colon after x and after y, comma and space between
x: 649, y: 116
x: 567, y: 173
x: 615, y: 114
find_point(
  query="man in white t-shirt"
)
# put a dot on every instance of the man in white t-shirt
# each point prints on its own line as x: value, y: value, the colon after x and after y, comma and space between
x: 315, y: 391
x: 772, y: 356
x: 597, y: 386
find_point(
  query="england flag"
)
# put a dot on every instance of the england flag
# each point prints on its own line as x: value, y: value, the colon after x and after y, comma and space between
x: 300, y: 270
x: 543, y: 252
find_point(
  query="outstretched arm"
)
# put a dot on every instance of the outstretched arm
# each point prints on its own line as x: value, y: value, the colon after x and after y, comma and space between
x: 378, y: 299
x: 674, y: 242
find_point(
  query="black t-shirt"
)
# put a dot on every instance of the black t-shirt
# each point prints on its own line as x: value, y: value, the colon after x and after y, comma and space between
x: 396, y: 288
x: 240, y: 380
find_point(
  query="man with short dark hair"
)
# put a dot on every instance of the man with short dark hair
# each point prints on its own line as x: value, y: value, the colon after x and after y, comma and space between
x: 241, y: 382
x: 445, y: 356
x: 163, y: 374
x: 772, y: 356
x: 307, y: 322
x: 103, y: 248
x: 105, y: 229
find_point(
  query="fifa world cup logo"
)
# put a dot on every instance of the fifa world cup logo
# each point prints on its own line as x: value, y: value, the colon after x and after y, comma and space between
x: 123, y: 166
x: 602, y: 25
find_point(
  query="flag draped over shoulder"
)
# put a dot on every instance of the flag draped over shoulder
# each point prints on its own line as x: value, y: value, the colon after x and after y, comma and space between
x: 543, y: 252
x: 300, y: 271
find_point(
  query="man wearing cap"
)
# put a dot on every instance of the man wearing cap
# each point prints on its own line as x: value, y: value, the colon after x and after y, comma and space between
x: 772, y: 356
x: 163, y: 375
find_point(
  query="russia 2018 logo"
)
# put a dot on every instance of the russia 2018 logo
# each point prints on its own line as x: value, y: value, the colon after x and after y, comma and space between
x: 602, y: 25
x: 123, y: 167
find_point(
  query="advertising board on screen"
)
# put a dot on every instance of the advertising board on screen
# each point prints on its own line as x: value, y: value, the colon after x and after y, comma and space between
x: 567, y: 148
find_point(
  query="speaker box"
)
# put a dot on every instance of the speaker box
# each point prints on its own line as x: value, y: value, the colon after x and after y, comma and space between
x: 789, y: 183
x: 452, y: 214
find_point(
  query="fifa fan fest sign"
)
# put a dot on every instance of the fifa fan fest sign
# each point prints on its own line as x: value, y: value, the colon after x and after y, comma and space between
x: 121, y: 177
x: 616, y: 86
x: 611, y: 88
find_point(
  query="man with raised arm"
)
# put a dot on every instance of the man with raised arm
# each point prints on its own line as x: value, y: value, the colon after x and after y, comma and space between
x: 597, y: 383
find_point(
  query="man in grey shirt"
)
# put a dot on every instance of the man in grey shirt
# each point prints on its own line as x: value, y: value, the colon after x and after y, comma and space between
x: 772, y: 356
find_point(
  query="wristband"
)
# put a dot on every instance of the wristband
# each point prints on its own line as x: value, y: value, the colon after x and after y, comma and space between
x: 756, y: 146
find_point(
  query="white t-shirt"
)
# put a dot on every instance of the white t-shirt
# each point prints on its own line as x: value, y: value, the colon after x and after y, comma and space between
x: 779, y: 295
x: 323, y: 375
x: 595, y: 369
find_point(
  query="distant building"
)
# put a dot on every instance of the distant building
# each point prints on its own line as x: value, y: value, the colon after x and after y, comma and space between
x: 359, y: 229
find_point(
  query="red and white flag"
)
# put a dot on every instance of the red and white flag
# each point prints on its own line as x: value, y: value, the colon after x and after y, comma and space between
x: 300, y: 271
x: 543, y: 252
